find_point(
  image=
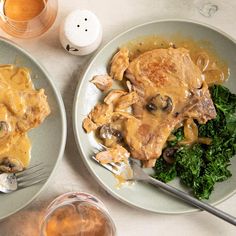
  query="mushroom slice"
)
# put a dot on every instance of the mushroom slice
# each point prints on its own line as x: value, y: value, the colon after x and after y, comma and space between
x: 10, y: 165
x: 101, y: 114
x: 108, y: 132
x: 119, y: 64
x: 89, y: 125
x: 114, y: 95
x: 116, y: 154
x: 126, y: 101
x: 102, y: 82
x: 159, y: 102
x: 168, y: 154
x: 110, y: 135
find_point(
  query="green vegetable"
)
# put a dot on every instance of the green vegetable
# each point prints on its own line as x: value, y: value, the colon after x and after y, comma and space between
x: 164, y: 171
x: 200, y: 166
x: 188, y: 163
x: 179, y: 135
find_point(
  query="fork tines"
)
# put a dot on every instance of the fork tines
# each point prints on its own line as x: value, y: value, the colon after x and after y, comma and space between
x: 32, y: 175
x: 115, y: 168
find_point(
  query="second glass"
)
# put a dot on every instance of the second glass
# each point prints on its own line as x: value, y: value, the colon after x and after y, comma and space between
x: 77, y: 214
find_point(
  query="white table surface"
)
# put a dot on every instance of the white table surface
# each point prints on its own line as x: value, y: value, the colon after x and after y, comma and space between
x: 116, y: 16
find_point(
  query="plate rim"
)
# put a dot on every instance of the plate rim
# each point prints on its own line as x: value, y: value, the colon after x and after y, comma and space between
x: 75, y: 124
x: 63, y: 118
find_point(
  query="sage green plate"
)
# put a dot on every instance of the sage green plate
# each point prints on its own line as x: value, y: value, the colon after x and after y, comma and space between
x: 87, y: 95
x: 48, y: 140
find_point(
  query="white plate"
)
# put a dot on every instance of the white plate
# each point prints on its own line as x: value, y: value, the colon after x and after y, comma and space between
x: 48, y: 140
x: 143, y: 195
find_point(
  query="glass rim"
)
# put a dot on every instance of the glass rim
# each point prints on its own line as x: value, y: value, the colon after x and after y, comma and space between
x: 56, y: 203
x: 8, y: 19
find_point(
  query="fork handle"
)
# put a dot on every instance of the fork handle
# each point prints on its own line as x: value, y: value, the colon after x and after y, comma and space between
x: 193, y: 201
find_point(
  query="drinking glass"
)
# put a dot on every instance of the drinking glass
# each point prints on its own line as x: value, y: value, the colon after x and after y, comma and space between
x: 28, y: 20
x: 77, y: 214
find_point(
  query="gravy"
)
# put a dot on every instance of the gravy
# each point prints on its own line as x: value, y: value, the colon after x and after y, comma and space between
x: 216, y: 71
x: 21, y: 109
x: 170, y: 79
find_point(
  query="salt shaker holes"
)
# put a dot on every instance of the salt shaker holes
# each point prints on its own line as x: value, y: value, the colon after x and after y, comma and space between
x: 81, y: 32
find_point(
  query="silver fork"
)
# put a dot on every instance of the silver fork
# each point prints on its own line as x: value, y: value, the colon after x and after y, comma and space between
x: 140, y: 175
x: 10, y: 182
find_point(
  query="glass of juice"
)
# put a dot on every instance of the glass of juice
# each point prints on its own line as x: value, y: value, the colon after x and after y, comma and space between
x: 27, y: 18
x: 77, y: 214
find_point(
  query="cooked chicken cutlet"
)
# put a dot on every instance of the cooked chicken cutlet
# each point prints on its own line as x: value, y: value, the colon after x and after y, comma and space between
x: 170, y: 89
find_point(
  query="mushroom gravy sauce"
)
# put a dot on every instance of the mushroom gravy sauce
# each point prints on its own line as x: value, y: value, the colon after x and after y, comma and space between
x: 21, y: 108
x: 214, y: 70
x: 163, y: 84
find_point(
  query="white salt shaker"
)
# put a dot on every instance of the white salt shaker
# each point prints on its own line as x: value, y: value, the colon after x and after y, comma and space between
x: 81, y: 32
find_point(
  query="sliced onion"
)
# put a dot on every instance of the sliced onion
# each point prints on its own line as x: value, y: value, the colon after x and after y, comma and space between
x: 190, y: 132
x: 204, y: 140
x: 214, y: 76
x: 203, y: 61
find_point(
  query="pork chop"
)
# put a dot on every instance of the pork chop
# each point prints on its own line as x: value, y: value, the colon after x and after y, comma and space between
x: 171, y: 89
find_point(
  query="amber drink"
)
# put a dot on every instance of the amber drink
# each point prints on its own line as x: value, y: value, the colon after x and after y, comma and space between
x: 27, y: 18
x: 77, y: 214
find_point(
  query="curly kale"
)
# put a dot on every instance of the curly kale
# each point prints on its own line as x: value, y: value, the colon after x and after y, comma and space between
x: 200, y: 166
